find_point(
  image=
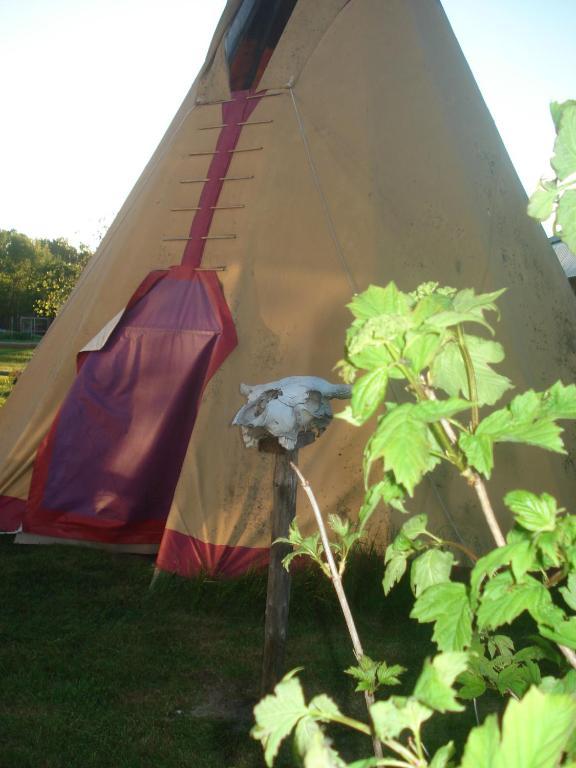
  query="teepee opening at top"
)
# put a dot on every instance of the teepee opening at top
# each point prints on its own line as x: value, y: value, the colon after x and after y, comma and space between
x: 252, y: 38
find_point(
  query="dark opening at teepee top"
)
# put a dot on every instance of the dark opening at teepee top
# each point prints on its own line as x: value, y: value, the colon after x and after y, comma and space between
x: 252, y: 37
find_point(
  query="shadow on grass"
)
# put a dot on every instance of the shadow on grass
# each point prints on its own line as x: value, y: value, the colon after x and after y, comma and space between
x: 98, y: 670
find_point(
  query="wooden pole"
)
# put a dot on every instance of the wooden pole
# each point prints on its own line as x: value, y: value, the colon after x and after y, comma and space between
x: 278, y: 593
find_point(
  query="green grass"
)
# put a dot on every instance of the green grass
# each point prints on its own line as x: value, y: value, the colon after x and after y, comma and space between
x: 98, y: 671
x: 12, y: 363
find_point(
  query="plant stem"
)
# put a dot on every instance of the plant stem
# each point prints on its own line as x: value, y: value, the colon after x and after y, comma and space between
x: 337, y: 582
x: 401, y: 750
x: 351, y: 723
x: 478, y: 484
x: 470, y: 376
x: 568, y: 654
x: 466, y: 550
x: 454, y: 544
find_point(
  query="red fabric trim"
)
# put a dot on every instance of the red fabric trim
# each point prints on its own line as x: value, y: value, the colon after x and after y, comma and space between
x: 188, y: 556
x: 236, y: 111
x: 11, y: 513
x: 53, y: 522
x: 66, y: 525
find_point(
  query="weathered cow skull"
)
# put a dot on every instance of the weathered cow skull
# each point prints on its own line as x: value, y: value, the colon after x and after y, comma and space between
x: 287, y: 407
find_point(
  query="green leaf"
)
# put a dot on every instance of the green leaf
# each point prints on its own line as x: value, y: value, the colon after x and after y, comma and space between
x: 478, y: 450
x: 370, y: 357
x: 566, y: 218
x: 403, y: 441
x: 541, y: 203
x: 277, y: 714
x: 322, y: 707
x: 488, y: 565
x: 501, y: 644
x: 434, y: 410
x: 566, y: 684
x: 557, y: 110
x: 432, y: 567
x: 394, y: 572
x: 389, y: 675
x: 346, y: 415
x: 503, y: 600
x: 449, y: 372
x: 371, y: 500
x: 523, y: 558
x: 563, y: 632
x: 473, y: 685
x: 340, y: 527
x: 467, y: 300
x: 367, y: 394
x: 482, y: 745
x: 532, y: 512
x: 376, y: 301
x: 398, y: 714
x: 313, y: 748
x: 442, y: 757
x: 421, y: 348
x: 414, y: 527
x: 434, y: 686
x: 569, y: 591
x: 371, y: 674
x: 525, y: 420
x: 448, y: 607
x: 536, y: 730
x: 515, y: 678
x: 564, y: 160
x: 451, y: 318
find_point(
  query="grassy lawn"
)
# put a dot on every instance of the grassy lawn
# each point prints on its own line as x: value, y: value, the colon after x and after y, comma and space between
x: 98, y: 671
x: 12, y: 362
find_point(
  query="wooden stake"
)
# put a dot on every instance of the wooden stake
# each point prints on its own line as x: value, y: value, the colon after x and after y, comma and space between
x: 278, y: 594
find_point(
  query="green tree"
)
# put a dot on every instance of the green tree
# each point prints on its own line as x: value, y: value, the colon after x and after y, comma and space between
x: 36, y: 276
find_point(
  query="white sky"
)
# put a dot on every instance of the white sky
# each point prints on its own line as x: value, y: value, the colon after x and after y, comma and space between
x: 89, y: 87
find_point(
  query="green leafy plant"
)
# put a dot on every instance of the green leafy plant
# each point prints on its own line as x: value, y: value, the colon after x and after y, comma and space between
x: 556, y: 197
x: 428, y: 343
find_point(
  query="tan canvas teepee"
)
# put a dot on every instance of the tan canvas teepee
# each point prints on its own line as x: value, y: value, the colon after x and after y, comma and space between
x: 324, y: 146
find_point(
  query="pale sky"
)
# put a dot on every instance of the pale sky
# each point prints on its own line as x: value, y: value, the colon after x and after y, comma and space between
x: 89, y: 86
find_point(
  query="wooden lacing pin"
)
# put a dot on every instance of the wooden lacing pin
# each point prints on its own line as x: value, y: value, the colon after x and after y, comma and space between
x: 212, y: 127
x: 202, y: 154
x: 201, y: 103
x: 266, y: 95
x: 226, y: 207
x: 248, y: 149
x: 235, y: 178
x: 193, y: 181
x: 256, y: 122
x: 176, y: 210
x: 210, y: 269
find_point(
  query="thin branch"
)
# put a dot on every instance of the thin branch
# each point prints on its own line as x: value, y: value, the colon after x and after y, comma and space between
x: 466, y: 550
x: 470, y: 375
x: 568, y: 654
x: 473, y: 478
x: 477, y: 483
x: 337, y: 582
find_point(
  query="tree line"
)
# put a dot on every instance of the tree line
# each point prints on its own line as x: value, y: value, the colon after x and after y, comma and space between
x: 36, y: 275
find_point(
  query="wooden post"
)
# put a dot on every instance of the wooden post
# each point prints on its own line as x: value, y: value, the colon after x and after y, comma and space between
x: 278, y: 593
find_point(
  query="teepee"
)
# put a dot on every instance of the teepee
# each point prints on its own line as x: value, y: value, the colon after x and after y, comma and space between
x: 324, y: 146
